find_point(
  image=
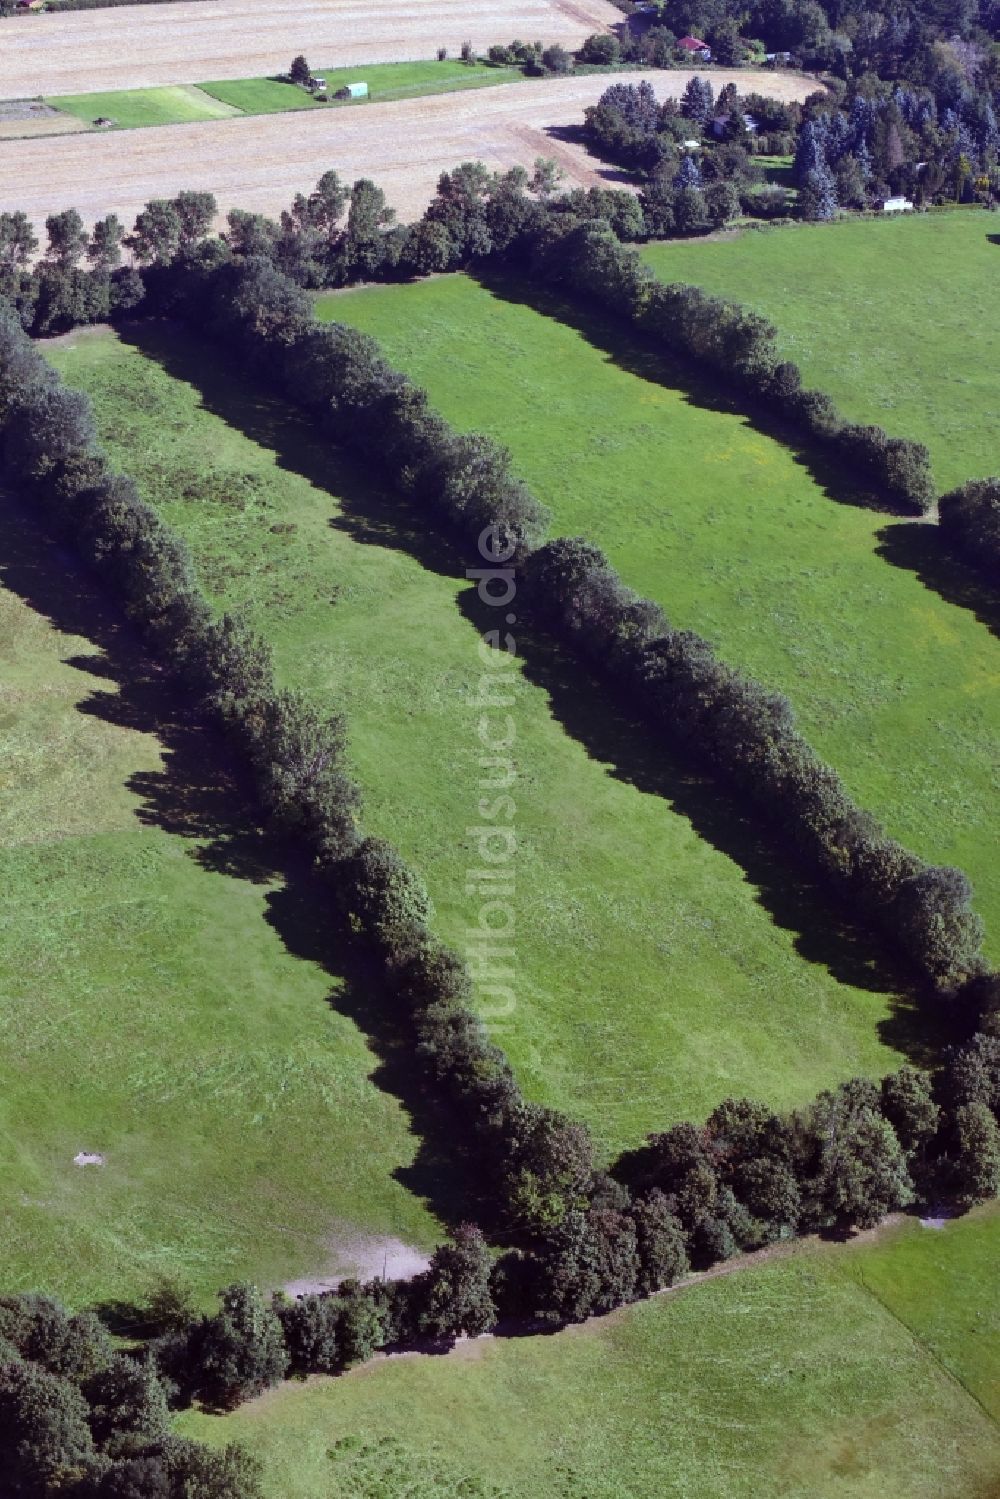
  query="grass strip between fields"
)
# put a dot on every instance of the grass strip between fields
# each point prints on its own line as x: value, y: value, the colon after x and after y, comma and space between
x: 229, y: 98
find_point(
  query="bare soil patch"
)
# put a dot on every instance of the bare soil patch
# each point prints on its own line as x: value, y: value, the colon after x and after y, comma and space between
x: 259, y: 163
x: 363, y: 1256
x: 41, y: 125
x: 136, y: 46
x: 20, y: 118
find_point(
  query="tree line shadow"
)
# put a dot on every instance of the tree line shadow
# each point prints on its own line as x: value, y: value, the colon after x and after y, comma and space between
x: 202, y: 793
x: 912, y: 545
x: 824, y: 931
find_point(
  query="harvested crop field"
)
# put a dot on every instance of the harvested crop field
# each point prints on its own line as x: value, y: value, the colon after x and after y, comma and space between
x: 178, y: 43
x: 258, y: 164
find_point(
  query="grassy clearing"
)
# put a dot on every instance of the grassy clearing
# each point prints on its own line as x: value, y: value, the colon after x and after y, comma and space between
x: 792, y: 1379
x: 893, y: 684
x: 145, y: 106
x: 777, y: 170
x: 653, y: 973
x: 887, y: 315
x: 157, y: 1007
x: 387, y: 80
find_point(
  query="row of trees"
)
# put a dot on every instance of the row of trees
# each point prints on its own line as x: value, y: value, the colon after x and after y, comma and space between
x: 531, y: 1156
x: 79, y: 278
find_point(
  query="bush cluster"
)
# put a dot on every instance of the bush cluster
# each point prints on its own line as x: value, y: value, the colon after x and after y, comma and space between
x: 970, y: 522
x: 82, y: 1419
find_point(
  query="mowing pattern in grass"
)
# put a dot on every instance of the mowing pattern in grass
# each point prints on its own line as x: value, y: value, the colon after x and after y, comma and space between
x: 731, y: 534
x: 159, y: 1003
x: 146, y: 106
x: 651, y: 977
x: 394, y: 80
x: 794, y: 1379
x: 257, y: 96
x: 893, y: 317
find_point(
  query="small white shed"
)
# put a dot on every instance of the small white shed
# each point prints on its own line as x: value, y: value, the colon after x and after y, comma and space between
x: 353, y: 91
x: 897, y: 205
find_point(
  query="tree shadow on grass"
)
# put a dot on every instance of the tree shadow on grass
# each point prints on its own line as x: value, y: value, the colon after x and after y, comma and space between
x: 913, y: 546
x: 371, y: 514
x: 638, y: 355
x: 919, y: 549
x: 824, y: 930
x: 202, y: 793
x: 824, y: 933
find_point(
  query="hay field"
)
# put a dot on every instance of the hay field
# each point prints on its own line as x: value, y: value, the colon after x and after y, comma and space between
x: 152, y: 44
x: 258, y: 164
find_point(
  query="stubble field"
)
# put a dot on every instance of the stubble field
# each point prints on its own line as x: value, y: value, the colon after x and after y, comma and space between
x: 141, y: 45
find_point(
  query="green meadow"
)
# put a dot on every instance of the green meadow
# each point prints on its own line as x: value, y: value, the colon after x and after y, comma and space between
x: 885, y: 653
x: 663, y: 958
x: 893, y: 317
x: 834, y: 1373
x: 160, y: 1007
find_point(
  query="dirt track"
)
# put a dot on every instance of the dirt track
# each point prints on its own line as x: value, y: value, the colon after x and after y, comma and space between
x: 136, y: 46
x: 259, y: 163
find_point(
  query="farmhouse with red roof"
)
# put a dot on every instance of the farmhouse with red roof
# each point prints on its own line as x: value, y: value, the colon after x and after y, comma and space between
x: 696, y: 47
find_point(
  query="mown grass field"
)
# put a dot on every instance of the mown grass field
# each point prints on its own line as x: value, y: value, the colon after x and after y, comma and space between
x: 662, y: 960
x: 884, y: 652
x: 180, y: 103
x: 158, y: 1003
x: 145, y: 106
x: 392, y: 80
x: 891, y: 316
x: 837, y: 1373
